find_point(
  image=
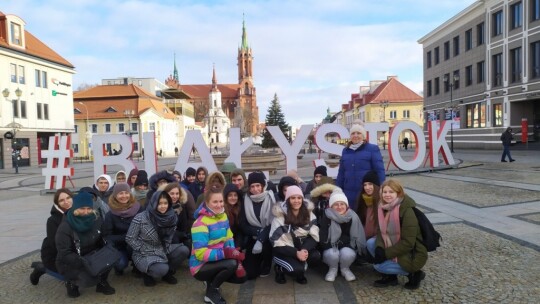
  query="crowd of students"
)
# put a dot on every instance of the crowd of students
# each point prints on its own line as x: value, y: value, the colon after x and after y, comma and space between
x: 234, y: 229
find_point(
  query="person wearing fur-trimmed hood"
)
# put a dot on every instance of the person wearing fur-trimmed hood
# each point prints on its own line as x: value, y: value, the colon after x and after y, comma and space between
x: 321, y: 195
x: 342, y: 237
x: 294, y: 236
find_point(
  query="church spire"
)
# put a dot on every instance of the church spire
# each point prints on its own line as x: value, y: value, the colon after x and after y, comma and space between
x: 245, y: 45
x: 214, y: 80
x: 175, y: 71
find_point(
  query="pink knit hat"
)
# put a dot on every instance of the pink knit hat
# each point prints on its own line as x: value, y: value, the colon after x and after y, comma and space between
x: 293, y: 190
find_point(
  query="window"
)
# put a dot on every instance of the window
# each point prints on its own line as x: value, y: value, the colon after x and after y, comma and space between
x: 134, y: 126
x: 481, y: 72
x: 428, y: 88
x: 76, y: 129
x: 44, y: 79
x: 38, y: 108
x: 468, y: 40
x: 13, y: 68
x: 135, y: 146
x: 515, y: 64
x: 23, y: 108
x: 21, y: 75
x: 437, y: 86
x: 120, y: 127
x: 497, y: 23
x: 46, y: 111
x: 456, y: 46
x: 437, y: 55
x: 38, y: 78
x: 476, y: 115
x: 107, y: 128
x: 94, y: 128
x: 535, y: 10
x: 75, y: 148
x: 446, y: 80
x: 15, y: 106
x: 393, y: 114
x: 535, y: 59
x: 497, y: 69
x: 152, y: 126
x: 406, y: 114
x: 428, y: 59
x: 16, y: 35
x: 468, y: 75
x: 446, y: 50
x: 455, y: 78
x: 517, y: 15
x: 497, y: 115
x: 480, y: 33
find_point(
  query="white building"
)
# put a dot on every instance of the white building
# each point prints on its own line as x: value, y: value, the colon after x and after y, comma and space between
x: 37, y: 94
x: 216, y: 120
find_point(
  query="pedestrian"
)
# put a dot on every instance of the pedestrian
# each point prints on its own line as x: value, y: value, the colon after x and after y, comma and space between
x: 506, y: 138
x: 140, y: 187
x: 184, y: 206
x: 120, y: 177
x: 238, y: 177
x: 102, y: 189
x: 255, y: 220
x: 150, y: 235
x: 368, y: 203
x: 189, y: 178
x: 123, y: 208
x: 398, y: 248
x: 156, y: 180
x: 342, y: 237
x: 357, y: 158
x: 232, y: 197
x: 83, y: 220
x: 214, y: 258
x: 318, y: 173
x: 405, y: 143
x: 197, y: 187
x: 294, y: 235
x: 63, y: 200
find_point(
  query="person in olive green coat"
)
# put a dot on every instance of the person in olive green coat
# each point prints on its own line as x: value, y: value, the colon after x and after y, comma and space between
x: 398, y: 248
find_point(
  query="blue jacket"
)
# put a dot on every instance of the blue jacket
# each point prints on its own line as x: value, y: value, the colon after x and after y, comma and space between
x: 353, y: 165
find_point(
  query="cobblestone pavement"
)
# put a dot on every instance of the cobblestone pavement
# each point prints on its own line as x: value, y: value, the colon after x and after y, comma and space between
x: 487, y: 212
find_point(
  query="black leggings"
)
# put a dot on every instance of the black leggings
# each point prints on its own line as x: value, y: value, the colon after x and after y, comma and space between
x: 218, y: 272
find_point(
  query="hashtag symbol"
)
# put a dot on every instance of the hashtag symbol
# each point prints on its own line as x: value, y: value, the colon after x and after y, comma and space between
x: 58, y: 157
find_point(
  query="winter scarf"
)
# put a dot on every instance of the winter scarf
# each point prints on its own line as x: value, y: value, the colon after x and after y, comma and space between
x: 81, y: 224
x: 162, y: 221
x: 139, y: 194
x: 358, y: 237
x: 129, y: 211
x: 389, y: 222
x: 356, y: 146
x: 266, y: 216
x: 367, y: 199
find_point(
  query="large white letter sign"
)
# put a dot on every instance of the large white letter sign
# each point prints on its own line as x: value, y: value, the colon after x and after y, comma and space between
x: 58, y: 157
x: 290, y: 151
x: 101, y: 160
x: 393, y: 146
x: 150, y: 156
x: 236, y: 147
x: 372, y: 128
x: 194, y: 139
x: 437, y: 142
x: 329, y: 147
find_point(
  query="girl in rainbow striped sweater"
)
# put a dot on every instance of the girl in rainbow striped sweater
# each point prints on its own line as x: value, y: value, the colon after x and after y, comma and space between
x: 214, y: 259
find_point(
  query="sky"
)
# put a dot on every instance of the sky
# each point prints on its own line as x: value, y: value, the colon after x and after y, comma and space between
x: 312, y: 53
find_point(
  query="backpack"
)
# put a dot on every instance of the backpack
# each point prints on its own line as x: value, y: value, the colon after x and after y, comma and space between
x: 431, y: 238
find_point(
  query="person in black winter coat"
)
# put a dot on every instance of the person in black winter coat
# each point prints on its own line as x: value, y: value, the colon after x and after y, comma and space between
x: 63, y: 200
x: 156, y: 180
x: 232, y: 198
x: 184, y: 206
x: 82, y: 220
x: 197, y: 187
x: 506, y: 138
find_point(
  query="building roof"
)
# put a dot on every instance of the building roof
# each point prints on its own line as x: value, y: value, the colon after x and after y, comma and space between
x: 202, y: 90
x: 391, y: 90
x: 115, y: 91
x: 33, y: 46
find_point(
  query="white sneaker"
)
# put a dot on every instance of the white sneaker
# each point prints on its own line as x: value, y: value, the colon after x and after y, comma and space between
x: 331, y: 275
x: 347, y: 274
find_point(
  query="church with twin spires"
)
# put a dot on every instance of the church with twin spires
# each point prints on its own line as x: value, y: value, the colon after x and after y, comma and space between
x: 222, y: 106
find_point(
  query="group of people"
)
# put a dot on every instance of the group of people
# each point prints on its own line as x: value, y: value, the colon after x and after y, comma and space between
x: 234, y: 229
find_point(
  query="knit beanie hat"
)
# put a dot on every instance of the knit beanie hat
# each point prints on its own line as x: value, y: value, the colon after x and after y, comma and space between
x: 119, y: 188
x: 293, y: 190
x: 82, y: 199
x: 257, y: 177
x: 371, y: 177
x: 358, y: 126
x: 191, y: 172
x: 320, y: 170
x: 338, y: 196
x: 142, y: 178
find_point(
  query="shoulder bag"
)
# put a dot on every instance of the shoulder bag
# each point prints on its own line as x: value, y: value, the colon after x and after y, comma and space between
x: 100, y: 260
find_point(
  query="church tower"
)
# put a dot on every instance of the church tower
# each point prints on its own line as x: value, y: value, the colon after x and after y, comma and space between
x: 216, y: 120
x: 248, y: 111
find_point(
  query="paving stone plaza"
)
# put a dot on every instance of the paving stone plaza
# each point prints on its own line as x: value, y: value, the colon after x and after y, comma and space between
x: 487, y: 212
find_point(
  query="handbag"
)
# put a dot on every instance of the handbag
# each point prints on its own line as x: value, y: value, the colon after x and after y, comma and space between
x: 100, y: 260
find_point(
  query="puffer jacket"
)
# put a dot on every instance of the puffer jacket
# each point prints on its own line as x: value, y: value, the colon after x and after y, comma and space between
x: 48, y: 247
x: 410, y: 252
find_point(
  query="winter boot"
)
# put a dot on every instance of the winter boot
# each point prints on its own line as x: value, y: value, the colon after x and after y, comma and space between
x: 387, y: 280
x: 280, y: 275
x: 331, y: 274
x: 72, y: 290
x: 414, y: 279
x: 213, y: 296
x: 35, y: 275
x: 148, y: 280
x: 104, y: 287
x: 301, y: 279
x: 169, y: 278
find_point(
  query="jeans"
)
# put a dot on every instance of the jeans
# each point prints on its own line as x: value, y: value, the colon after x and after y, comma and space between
x: 386, y: 267
x: 506, y: 151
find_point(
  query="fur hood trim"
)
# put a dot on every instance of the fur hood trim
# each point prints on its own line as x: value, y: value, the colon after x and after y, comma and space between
x: 319, y: 190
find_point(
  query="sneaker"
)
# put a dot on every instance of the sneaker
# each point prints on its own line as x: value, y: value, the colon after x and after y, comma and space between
x: 265, y: 272
x: 72, y: 290
x: 331, y: 274
x: 512, y: 160
x: 105, y: 288
x: 148, y: 280
x: 213, y: 296
x: 387, y: 280
x: 347, y: 274
x: 35, y: 275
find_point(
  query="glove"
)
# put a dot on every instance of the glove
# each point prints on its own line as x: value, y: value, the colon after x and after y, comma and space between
x: 232, y: 253
x: 380, y: 257
x: 257, y: 248
x: 240, y: 270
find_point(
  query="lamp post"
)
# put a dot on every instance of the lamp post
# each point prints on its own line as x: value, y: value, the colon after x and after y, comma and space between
x: 451, y: 85
x: 129, y: 114
x: 384, y: 105
x: 88, y: 133
x: 15, y: 155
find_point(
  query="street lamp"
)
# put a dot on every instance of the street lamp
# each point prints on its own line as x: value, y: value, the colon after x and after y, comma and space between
x: 129, y: 114
x: 384, y: 105
x: 88, y: 133
x: 16, y: 153
x: 451, y: 85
